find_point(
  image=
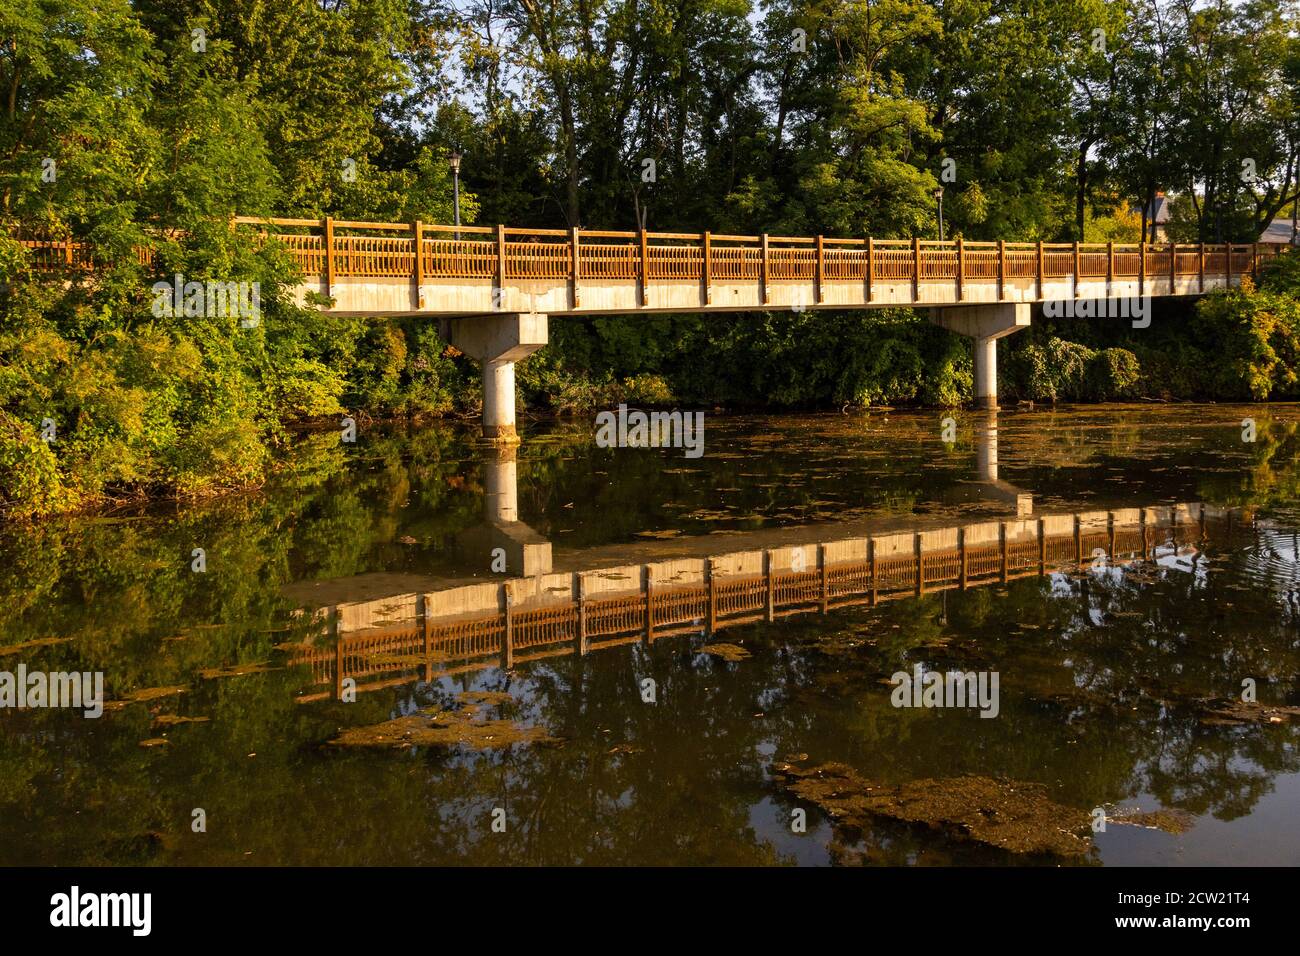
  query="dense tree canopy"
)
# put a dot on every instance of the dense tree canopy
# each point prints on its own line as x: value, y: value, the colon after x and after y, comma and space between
x: 127, y: 123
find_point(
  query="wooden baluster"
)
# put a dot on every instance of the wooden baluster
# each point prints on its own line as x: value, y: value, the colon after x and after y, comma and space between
x: 1173, y: 267
x: 1076, y: 269
x: 1200, y: 266
x: 1228, y: 259
x: 763, y: 272
x: 1110, y: 267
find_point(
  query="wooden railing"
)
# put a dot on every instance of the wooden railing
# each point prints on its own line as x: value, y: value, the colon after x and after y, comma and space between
x: 331, y: 249
x: 580, y: 622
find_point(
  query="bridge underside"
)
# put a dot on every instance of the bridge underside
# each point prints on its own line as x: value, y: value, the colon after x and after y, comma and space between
x: 501, y: 324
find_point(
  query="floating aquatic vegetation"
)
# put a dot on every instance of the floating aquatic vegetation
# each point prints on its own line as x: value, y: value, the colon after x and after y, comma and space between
x: 1010, y: 815
x: 732, y: 653
x: 443, y: 728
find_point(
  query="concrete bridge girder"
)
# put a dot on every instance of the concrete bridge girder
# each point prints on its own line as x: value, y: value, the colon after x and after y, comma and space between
x: 985, y: 324
x: 498, y: 341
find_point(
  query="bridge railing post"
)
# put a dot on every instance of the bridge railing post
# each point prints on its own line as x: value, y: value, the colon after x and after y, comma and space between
x: 501, y: 263
x: 508, y: 631
x: 916, y: 269
x: 1076, y: 268
x: 1142, y: 268
x: 328, y: 226
x: 818, y: 271
x: 1110, y: 266
x: 1227, y: 258
x: 575, y: 266
x: 708, y: 268
x: 764, y: 274
x: 417, y: 267
x: 961, y: 269
x: 1200, y: 266
x: 649, y: 605
x: 1041, y: 274
x: 871, y: 265
x: 645, y: 268
x: 1002, y: 269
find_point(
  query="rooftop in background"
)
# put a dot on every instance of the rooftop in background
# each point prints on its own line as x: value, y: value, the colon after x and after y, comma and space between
x: 1280, y: 230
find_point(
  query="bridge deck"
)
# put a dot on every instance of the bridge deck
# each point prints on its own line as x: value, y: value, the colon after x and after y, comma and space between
x: 371, y: 268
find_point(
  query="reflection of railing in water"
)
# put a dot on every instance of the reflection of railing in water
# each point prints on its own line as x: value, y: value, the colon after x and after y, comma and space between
x: 737, y: 588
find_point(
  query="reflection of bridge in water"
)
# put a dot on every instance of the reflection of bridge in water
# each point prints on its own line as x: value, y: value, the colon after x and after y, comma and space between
x: 398, y: 639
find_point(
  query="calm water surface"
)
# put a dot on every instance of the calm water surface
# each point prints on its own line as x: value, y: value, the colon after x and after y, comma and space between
x: 1103, y: 670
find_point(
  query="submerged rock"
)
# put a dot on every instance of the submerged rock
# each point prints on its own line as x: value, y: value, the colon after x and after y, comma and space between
x: 1013, y: 816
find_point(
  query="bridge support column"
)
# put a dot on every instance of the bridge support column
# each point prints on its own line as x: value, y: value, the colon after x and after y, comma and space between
x: 498, y: 342
x: 985, y: 324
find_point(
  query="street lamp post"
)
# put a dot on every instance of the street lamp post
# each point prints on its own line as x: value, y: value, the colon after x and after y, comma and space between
x: 938, y: 197
x: 454, y: 162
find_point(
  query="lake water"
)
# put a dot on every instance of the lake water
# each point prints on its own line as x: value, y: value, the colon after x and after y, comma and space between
x: 1168, y: 581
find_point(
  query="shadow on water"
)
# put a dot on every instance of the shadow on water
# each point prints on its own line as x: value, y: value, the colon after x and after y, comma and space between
x: 1121, y: 570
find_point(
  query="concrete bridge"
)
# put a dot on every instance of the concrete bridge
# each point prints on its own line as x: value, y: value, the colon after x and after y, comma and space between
x: 493, y: 288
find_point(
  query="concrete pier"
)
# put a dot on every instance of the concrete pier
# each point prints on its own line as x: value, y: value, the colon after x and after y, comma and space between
x: 985, y: 324
x: 498, y: 342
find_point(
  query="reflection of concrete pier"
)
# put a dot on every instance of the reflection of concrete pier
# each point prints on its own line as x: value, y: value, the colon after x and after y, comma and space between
x: 503, y: 543
x: 506, y: 623
x: 988, y: 485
